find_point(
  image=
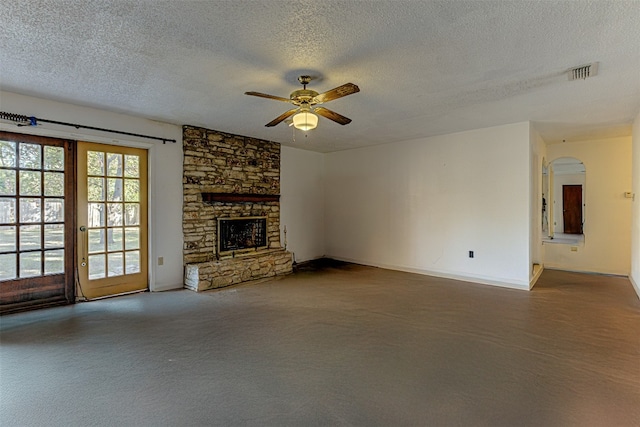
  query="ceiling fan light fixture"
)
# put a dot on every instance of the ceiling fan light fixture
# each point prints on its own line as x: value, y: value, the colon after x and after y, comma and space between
x: 304, y: 99
x: 305, y: 120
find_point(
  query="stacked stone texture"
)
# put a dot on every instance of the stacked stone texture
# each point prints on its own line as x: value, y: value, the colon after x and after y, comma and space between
x: 204, y: 276
x: 217, y: 162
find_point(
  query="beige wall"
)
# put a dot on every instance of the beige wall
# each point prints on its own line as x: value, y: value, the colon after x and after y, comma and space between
x: 607, y: 227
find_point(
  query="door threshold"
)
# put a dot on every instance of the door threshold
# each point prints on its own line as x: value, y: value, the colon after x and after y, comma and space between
x: 85, y: 299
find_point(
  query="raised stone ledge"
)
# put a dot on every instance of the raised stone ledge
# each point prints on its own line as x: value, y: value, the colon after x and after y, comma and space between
x: 239, y: 198
x: 208, y: 275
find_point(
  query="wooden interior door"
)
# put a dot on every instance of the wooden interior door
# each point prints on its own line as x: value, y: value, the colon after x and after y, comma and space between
x: 36, y: 221
x: 572, y: 208
x: 112, y: 220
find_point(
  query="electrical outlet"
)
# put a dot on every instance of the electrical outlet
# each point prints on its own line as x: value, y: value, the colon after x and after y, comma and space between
x: 160, y: 260
x: 470, y: 254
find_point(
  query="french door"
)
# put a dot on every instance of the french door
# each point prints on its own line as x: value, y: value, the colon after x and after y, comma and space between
x: 36, y: 221
x: 111, y: 220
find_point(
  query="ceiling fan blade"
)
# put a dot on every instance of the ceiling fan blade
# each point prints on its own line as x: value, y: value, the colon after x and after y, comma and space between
x: 281, y: 117
x: 264, y: 95
x: 332, y: 115
x: 338, y: 92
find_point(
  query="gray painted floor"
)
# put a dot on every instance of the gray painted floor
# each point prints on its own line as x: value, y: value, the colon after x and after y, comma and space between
x: 343, y: 345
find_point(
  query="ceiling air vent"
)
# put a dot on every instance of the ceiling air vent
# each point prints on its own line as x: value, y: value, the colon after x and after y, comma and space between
x: 583, y: 71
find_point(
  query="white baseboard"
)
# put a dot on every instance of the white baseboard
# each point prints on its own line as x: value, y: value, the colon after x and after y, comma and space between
x: 635, y: 284
x: 536, y: 275
x: 571, y: 270
x: 163, y: 288
x: 491, y: 281
x: 552, y: 266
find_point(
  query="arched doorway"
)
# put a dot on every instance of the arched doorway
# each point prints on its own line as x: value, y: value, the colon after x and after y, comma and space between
x: 564, y: 182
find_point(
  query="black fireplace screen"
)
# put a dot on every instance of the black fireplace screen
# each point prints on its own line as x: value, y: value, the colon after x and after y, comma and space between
x: 235, y: 234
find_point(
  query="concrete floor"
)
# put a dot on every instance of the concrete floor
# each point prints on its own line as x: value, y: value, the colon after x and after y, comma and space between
x: 342, y: 345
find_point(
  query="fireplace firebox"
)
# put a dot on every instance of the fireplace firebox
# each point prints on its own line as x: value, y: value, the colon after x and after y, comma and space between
x: 241, y: 234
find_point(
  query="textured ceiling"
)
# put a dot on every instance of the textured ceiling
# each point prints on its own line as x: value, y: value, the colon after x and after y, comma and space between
x: 424, y: 68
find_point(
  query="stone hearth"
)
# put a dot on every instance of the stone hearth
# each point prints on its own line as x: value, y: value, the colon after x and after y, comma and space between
x: 229, y: 176
x: 204, y: 276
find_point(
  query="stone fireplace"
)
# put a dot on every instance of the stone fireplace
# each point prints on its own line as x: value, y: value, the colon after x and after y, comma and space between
x: 231, y: 210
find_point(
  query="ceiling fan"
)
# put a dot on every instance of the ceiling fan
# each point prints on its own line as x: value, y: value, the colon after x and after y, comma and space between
x: 306, y: 100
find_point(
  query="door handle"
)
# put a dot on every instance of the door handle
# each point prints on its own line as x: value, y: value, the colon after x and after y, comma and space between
x: 83, y: 263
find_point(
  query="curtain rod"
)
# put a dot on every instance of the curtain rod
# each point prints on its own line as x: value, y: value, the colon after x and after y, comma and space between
x: 33, y: 121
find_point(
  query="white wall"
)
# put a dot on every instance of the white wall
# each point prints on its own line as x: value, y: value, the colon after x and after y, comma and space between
x: 607, y: 226
x: 302, y: 202
x: 635, y: 221
x: 165, y: 169
x: 422, y: 205
x: 538, y: 157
